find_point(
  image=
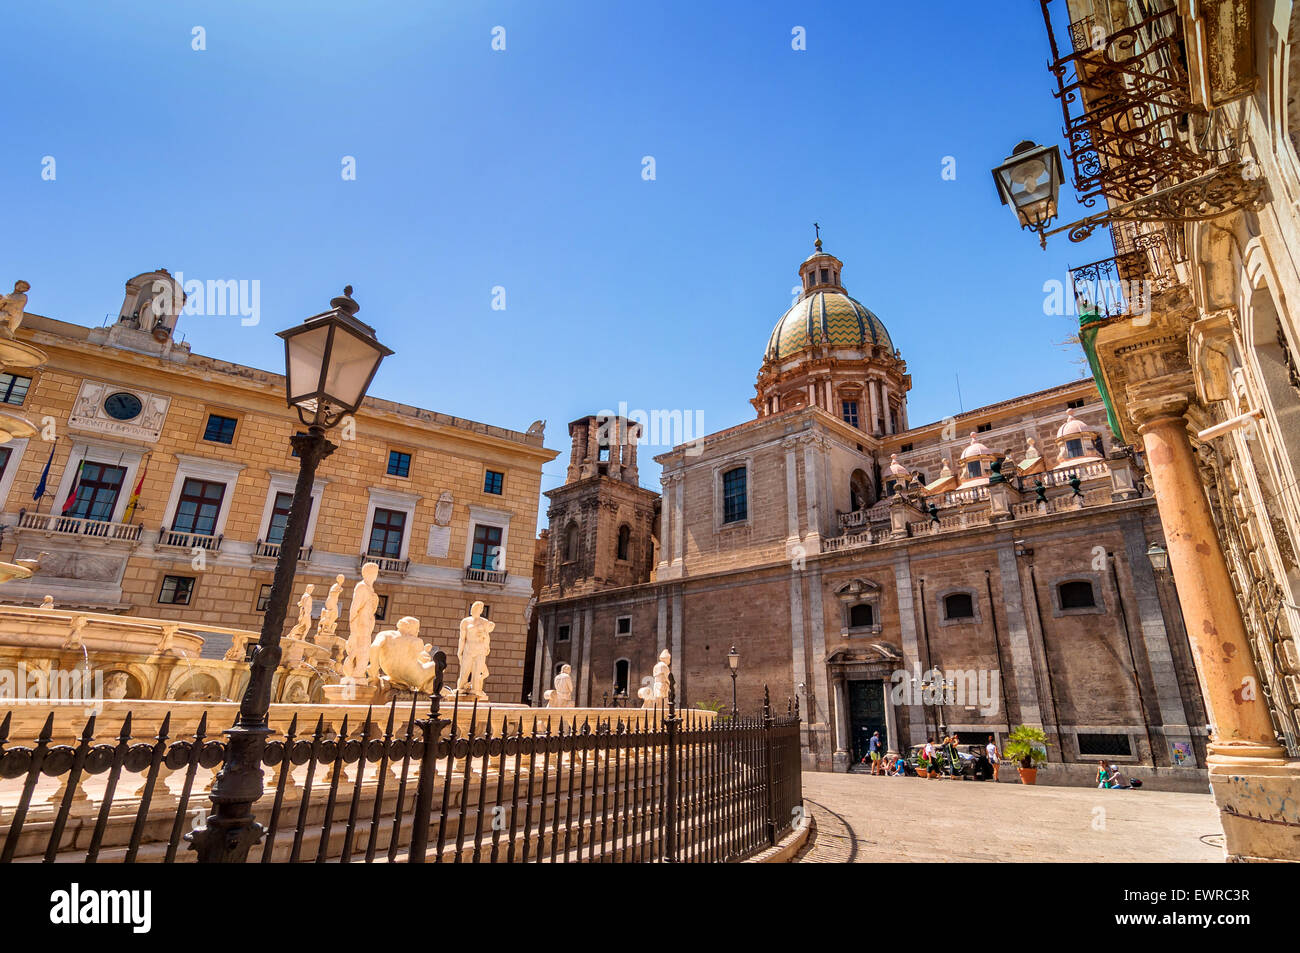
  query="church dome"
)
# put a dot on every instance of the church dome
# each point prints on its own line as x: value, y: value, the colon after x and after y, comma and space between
x: 828, y: 318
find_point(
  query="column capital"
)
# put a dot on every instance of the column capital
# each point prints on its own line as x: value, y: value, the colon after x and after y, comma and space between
x: 1171, y: 395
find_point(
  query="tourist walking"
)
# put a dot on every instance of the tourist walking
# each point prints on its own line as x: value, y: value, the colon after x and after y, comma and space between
x: 991, y: 749
x: 873, y: 751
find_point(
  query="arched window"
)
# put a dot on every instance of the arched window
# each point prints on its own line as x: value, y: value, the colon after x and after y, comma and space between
x: 571, y: 543
x: 861, y: 616
x: 958, y: 605
x: 1077, y: 595
x: 622, y: 674
x: 624, y: 541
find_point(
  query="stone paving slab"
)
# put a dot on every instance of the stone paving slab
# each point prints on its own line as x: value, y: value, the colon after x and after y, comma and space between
x: 865, y: 819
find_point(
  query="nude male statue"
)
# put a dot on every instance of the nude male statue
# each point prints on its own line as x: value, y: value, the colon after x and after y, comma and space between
x: 472, y: 651
x: 361, y: 625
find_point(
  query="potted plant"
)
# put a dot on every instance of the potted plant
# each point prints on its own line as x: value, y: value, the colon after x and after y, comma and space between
x: 1028, y: 745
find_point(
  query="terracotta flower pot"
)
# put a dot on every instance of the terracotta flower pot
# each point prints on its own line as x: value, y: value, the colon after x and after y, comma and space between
x: 1028, y: 775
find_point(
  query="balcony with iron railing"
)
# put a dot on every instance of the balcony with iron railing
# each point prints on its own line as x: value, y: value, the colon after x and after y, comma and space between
x: 53, y: 524
x: 1068, y: 488
x: 386, y: 564
x: 1125, y: 93
x: 264, y: 550
x: 173, y: 539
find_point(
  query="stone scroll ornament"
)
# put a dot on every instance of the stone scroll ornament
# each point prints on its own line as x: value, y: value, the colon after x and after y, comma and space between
x: 12, y: 308
x: 357, y: 662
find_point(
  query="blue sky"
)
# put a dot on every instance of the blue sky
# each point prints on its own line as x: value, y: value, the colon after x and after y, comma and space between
x: 522, y: 169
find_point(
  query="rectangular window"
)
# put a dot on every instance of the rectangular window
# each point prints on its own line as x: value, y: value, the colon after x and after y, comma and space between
x: 399, y: 463
x: 386, y: 534
x: 13, y: 388
x: 176, y: 590
x: 382, y: 610
x: 220, y: 429
x: 849, y: 411
x: 735, y: 502
x: 199, y: 506
x: 263, y: 597
x: 983, y: 428
x: 562, y: 634
x: 623, y: 626
x: 97, y: 491
x: 493, y: 482
x: 487, y: 548
x: 1100, y: 745
x: 1073, y: 448
x: 280, y: 517
x: 973, y: 468
x: 905, y: 448
x: 5, y: 454
x: 1074, y: 404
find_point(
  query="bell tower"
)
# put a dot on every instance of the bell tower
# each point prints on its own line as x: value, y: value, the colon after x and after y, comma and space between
x: 601, y: 522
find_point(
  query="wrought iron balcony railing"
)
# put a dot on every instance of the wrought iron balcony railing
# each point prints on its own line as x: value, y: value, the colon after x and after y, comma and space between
x: 1125, y: 96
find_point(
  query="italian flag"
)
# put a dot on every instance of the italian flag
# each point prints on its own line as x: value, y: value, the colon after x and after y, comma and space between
x: 71, y: 501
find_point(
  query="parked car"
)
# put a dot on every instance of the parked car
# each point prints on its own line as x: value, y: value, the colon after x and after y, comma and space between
x: 972, y: 762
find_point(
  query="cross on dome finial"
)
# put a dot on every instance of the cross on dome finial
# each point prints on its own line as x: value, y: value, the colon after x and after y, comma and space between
x: 817, y: 232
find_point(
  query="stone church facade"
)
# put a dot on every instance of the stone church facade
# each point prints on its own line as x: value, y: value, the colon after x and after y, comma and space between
x: 971, y: 574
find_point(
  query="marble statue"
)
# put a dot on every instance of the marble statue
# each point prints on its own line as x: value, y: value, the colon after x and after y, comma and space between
x: 329, y: 613
x: 357, y: 663
x: 561, y: 696
x: 472, y: 651
x: 115, y: 685
x: 303, y: 625
x: 12, y: 307
x: 403, y: 658
x: 656, y: 693
x: 47, y: 602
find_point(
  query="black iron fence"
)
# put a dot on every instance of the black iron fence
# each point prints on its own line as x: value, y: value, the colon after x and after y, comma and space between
x: 635, y: 786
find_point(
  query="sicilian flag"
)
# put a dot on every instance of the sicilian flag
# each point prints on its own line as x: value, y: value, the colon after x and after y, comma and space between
x: 45, y: 476
x: 71, y: 501
x: 132, y: 503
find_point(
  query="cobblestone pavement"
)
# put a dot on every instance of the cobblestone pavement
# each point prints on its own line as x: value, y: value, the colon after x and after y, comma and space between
x: 864, y: 819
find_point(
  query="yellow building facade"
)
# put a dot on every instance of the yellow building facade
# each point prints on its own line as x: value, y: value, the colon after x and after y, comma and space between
x: 446, y: 506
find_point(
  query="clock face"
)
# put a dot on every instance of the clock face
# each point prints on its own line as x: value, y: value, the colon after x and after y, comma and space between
x: 123, y: 406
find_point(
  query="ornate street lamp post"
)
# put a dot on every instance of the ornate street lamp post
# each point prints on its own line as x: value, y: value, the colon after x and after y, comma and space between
x: 330, y: 360
x: 733, y: 659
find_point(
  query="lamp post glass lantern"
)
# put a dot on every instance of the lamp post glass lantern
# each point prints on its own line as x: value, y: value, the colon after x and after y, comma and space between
x: 1159, y: 557
x: 330, y: 360
x: 1030, y: 182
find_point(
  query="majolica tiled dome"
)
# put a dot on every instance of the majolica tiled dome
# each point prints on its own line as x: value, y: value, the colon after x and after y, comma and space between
x: 826, y: 317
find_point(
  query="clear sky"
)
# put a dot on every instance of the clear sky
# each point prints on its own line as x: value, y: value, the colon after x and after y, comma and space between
x: 522, y: 169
